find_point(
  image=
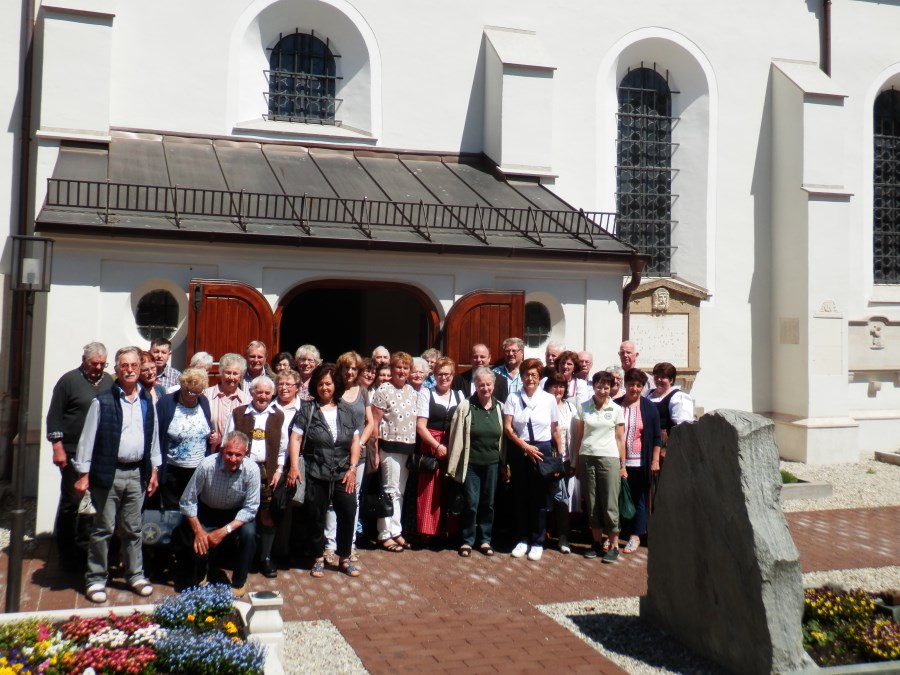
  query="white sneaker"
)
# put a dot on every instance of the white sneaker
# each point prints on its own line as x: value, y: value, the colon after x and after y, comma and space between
x: 535, y: 553
x: 520, y: 550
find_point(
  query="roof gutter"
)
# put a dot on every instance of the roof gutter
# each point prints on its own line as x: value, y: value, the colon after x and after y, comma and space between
x: 826, y: 37
x: 637, y: 262
x: 17, y: 305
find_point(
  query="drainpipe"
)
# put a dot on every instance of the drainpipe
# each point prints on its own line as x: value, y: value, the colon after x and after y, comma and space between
x: 22, y: 224
x: 826, y: 37
x: 638, y: 262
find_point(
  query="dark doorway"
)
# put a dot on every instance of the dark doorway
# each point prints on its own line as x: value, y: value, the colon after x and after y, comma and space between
x: 337, y: 318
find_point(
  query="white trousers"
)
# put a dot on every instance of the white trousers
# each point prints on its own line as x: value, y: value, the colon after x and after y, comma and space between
x: 393, y: 481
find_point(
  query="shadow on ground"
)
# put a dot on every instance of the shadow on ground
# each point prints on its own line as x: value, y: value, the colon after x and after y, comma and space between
x: 634, y: 638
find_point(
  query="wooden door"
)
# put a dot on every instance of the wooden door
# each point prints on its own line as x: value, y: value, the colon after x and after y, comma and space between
x: 487, y: 317
x: 224, y: 316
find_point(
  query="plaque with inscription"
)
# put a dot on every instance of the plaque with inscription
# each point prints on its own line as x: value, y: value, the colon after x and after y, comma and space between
x: 660, y: 338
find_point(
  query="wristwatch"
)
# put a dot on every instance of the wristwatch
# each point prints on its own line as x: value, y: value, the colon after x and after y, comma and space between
x: 228, y: 528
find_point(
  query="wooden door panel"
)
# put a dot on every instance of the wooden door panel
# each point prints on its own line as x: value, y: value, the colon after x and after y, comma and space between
x: 224, y: 316
x: 483, y: 316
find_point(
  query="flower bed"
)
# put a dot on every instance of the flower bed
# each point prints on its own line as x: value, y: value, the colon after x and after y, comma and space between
x: 196, y: 632
x: 843, y: 627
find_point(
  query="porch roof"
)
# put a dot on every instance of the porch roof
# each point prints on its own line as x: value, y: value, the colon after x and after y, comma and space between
x: 206, y: 189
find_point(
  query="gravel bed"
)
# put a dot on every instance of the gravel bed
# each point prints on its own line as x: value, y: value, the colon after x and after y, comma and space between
x: 864, y: 484
x: 314, y: 647
x: 613, y: 627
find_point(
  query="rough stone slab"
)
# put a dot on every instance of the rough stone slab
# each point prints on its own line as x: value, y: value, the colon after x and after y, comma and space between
x: 723, y: 571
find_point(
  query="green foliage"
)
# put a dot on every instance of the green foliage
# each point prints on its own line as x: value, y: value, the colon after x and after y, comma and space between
x: 788, y: 477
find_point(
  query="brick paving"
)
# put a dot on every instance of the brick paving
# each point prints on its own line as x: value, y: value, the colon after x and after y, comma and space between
x: 434, y: 611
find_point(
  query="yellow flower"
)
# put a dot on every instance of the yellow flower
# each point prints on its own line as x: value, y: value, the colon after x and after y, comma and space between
x: 210, y: 619
x: 190, y: 617
x: 230, y: 627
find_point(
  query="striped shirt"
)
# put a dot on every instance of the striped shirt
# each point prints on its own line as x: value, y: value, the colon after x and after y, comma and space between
x: 221, y: 405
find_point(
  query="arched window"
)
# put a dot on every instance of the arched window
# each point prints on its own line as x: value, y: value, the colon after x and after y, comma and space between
x: 886, y: 252
x: 644, y: 166
x: 537, y: 324
x: 302, y: 80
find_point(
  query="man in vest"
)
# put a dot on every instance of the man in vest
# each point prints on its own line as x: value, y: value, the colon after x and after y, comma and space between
x: 262, y: 422
x: 117, y: 458
x: 69, y: 405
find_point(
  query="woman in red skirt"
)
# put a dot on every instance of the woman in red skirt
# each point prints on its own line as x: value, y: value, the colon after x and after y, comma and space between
x: 434, y: 412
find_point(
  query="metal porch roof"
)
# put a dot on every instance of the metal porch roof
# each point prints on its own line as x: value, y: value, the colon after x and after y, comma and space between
x: 199, y: 188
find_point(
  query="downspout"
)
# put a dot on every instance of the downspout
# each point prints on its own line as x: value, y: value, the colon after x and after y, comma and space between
x: 826, y: 37
x: 22, y: 221
x: 637, y: 262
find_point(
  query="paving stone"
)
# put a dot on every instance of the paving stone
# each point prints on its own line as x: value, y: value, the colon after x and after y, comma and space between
x: 491, y: 598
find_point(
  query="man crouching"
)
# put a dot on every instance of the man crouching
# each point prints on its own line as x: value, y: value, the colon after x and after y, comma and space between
x: 219, y: 505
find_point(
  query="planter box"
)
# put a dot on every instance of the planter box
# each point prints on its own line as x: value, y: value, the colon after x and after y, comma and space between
x: 273, y: 661
x: 806, y: 490
x: 888, y: 457
x: 854, y: 669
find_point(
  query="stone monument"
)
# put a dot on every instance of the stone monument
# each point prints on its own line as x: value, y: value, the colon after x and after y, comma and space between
x: 723, y: 571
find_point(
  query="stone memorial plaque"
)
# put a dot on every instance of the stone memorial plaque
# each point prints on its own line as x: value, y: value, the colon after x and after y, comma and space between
x: 660, y: 337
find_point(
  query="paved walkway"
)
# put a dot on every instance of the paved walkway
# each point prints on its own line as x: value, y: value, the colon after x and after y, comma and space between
x: 422, y: 610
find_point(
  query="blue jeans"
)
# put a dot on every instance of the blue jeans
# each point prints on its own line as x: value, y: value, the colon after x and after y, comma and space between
x: 478, y: 514
x: 122, y: 501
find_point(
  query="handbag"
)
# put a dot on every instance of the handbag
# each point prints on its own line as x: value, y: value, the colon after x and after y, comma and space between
x: 159, y: 525
x: 422, y: 463
x: 626, y: 503
x: 377, y: 504
x: 550, y: 467
x: 282, y: 496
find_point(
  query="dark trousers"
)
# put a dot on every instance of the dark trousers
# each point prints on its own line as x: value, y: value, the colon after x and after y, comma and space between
x: 533, y: 499
x: 71, y: 544
x: 640, y: 487
x: 236, y: 550
x: 174, y: 483
x: 478, y: 514
x: 319, y: 493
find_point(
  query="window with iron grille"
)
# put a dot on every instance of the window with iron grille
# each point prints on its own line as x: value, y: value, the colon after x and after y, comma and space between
x: 644, y: 166
x: 886, y: 251
x: 302, y: 79
x: 537, y: 324
x: 156, y: 315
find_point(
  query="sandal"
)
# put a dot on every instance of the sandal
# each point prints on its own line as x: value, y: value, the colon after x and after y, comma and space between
x: 465, y: 551
x: 96, y: 593
x: 486, y: 550
x: 392, y: 546
x: 142, y: 587
x: 633, y: 545
x: 354, y: 557
x: 318, y: 568
x: 402, y: 542
x: 349, y: 568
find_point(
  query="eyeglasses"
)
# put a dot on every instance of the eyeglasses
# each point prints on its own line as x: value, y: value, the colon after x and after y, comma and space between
x: 285, y: 385
x: 443, y: 374
x: 128, y: 367
x: 192, y: 393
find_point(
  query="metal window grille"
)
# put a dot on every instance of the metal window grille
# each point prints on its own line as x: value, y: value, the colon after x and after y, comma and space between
x: 644, y: 165
x: 156, y: 315
x: 302, y: 80
x: 886, y: 251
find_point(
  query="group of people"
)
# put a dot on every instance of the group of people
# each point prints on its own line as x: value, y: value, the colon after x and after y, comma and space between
x: 444, y: 454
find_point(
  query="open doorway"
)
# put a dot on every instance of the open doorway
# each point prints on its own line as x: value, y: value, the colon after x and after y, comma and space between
x: 338, y: 316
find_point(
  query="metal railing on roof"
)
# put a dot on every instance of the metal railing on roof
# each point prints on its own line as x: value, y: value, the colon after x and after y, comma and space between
x: 303, y: 211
